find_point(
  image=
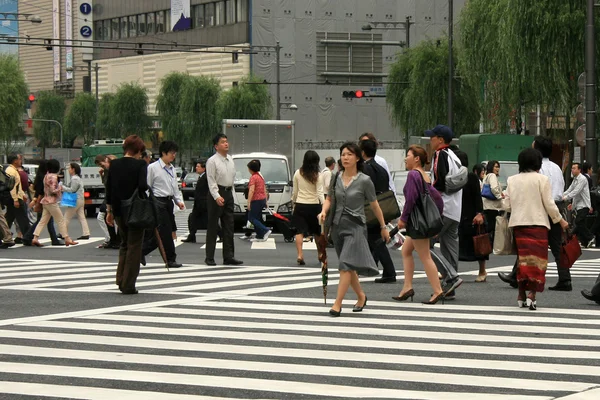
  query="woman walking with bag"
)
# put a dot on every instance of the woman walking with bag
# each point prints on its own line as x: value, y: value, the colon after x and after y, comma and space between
x: 76, y: 186
x: 257, y: 201
x: 126, y: 176
x: 307, y: 197
x: 531, y: 203
x: 417, y: 184
x: 38, y: 185
x: 50, y: 205
x: 492, y: 195
x: 349, y: 191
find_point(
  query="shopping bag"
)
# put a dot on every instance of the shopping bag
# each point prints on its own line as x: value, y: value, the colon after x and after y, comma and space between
x: 482, y: 243
x: 503, y: 237
x: 570, y: 250
x: 69, y: 200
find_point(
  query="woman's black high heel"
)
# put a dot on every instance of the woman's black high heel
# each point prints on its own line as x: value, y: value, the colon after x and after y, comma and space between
x: 360, y: 308
x: 437, y: 298
x: 410, y: 293
x: 334, y: 313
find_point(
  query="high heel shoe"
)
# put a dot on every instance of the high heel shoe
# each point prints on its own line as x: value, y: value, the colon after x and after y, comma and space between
x: 532, y: 304
x: 334, y: 313
x: 300, y: 261
x: 409, y: 293
x: 437, y: 298
x: 359, y: 309
x: 481, y: 278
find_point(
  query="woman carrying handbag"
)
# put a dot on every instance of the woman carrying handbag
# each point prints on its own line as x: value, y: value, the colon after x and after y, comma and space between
x: 76, y: 186
x: 417, y: 188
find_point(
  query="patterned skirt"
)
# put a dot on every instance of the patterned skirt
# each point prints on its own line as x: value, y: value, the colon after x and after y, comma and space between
x: 532, y: 250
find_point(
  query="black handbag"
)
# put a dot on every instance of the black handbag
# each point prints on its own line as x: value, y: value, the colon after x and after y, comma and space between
x: 389, y: 207
x: 425, y: 219
x: 140, y: 210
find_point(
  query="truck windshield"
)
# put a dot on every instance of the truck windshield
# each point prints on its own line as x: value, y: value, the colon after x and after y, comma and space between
x: 274, y: 170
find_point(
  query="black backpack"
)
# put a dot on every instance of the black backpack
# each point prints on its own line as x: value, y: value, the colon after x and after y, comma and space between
x: 7, y: 183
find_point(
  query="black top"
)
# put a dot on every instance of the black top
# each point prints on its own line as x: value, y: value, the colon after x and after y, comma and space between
x: 201, y: 193
x: 125, y: 176
x: 378, y: 175
x: 472, y: 203
x: 439, y: 173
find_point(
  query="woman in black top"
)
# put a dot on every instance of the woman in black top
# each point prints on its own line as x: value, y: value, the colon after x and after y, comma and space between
x: 125, y: 176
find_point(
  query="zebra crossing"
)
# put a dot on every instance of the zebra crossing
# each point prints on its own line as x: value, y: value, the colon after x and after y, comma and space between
x: 258, y: 346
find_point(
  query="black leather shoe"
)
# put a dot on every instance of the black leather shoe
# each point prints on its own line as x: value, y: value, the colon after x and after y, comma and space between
x: 564, y: 286
x: 132, y: 291
x: 143, y: 260
x: 174, y: 264
x: 210, y: 261
x: 386, y: 279
x: 232, y: 261
x: 588, y: 295
x: 334, y: 313
x: 57, y: 243
x: 18, y: 240
x: 189, y: 239
x: 508, y: 278
x: 84, y: 237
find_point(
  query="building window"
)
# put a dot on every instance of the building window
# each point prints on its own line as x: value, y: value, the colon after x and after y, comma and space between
x: 209, y: 14
x: 150, y: 23
x: 141, y: 24
x: 230, y: 12
x: 106, y: 29
x: 160, y: 22
x: 114, y: 29
x: 241, y: 10
x: 220, y: 13
x: 168, y: 21
x: 123, y: 27
x: 98, y: 30
x: 198, y: 16
x: 132, y: 26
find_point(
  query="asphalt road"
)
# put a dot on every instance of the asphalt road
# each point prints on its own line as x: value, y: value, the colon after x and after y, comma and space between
x: 261, y: 330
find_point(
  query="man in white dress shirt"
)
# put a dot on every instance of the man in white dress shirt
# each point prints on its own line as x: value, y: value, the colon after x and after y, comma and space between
x: 327, y: 172
x: 162, y: 179
x: 220, y: 173
x: 379, y: 160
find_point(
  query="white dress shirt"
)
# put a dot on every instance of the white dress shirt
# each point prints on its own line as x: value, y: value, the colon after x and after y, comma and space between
x: 220, y: 171
x: 326, y: 173
x: 555, y: 175
x: 579, y: 191
x: 162, y: 179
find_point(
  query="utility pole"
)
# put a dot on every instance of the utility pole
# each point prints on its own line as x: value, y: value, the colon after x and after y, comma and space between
x: 591, y: 144
x: 278, y: 79
x: 96, y: 68
x: 451, y: 63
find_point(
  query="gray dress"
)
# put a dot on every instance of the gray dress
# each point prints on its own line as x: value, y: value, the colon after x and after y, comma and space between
x: 349, y: 230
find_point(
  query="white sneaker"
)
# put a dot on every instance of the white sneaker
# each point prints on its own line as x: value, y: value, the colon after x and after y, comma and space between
x: 266, y: 235
x: 245, y: 237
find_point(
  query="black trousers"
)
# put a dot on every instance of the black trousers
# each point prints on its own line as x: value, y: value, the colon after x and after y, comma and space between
x: 380, y: 252
x: 17, y: 214
x: 130, y: 254
x: 224, y: 214
x: 581, y: 230
x: 198, y: 219
x: 165, y: 230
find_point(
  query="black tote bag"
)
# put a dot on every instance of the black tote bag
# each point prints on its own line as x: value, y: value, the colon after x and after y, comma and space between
x: 425, y: 219
x: 140, y: 211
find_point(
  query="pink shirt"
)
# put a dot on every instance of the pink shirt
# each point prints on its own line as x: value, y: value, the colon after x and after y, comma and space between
x: 52, y: 193
x: 259, y: 187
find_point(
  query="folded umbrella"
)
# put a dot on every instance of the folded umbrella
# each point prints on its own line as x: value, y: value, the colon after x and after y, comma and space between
x: 322, y: 254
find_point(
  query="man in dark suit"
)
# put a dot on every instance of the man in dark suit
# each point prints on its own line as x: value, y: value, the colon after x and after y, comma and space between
x: 198, y: 219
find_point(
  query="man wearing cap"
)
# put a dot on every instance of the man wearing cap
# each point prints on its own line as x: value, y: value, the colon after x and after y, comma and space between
x: 445, y: 162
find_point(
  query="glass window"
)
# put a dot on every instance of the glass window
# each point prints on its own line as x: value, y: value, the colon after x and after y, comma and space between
x: 220, y: 13
x: 114, y: 29
x: 106, y: 29
x: 141, y: 25
x: 123, y: 27
x: 198, y: 16
x: 160, y: 22
x: 230, y: 12
x: 150, y: 23
x: 132, y: 26
x: 168, y: 21
x: 241, y: 10
x: 209, y: 14
x: 98, y: 30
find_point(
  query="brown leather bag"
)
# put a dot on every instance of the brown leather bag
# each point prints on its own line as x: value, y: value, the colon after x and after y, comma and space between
x: 482, y: 243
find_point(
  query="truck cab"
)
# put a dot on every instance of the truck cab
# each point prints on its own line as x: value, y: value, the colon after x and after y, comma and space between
x: 276, y: 170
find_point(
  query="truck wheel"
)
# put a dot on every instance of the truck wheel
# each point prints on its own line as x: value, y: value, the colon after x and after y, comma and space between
x: 90, y: 212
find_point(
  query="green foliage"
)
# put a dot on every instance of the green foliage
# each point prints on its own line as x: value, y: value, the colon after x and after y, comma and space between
x: 199, y: 111
x: 522, y: 52
x: 50, y: 106
x: 420, y: 101
x: 168, y: 106
x: 246, y: 101
x: 130, y: 110
x: 107, y: 124
x: 80, y: 119
x: 13, y: 97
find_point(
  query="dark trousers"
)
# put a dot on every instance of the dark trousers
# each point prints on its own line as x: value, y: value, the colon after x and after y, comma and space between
x: 490, y: 219
x: 380, y: 252
x: 224, y: 214
x: 28, y: 237
x: 581, y: 230
x: 198, y: 219
x: 130, y: 255
x: 165, y: 230
x: 596, y: 288
x: 255, y: 217
x: 17, y: 214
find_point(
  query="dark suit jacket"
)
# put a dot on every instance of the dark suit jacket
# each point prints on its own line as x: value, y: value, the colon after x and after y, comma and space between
x: 201, y: 194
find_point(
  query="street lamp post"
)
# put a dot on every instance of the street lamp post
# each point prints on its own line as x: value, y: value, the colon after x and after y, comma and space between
x: 56, y: 122
x: 590, y: 88
x: 450, y: 63
x: 6, y: 16
x: 96, y: 68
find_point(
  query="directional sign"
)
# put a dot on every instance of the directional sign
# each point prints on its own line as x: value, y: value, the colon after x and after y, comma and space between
x: 85, y: 8
x: 85, y: 31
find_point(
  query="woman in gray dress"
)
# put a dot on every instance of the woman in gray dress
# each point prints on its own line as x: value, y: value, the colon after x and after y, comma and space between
x: 351, y: 190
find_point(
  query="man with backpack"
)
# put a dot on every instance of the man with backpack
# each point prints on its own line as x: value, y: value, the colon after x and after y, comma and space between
x: 7, y: 183
x: 380, y: 179
x: 16, y: 208
x: 447, y: 176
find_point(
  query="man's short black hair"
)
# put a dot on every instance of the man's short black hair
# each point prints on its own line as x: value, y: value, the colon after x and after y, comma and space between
x: 578, y: 165
x: 369, y: 147
x: 218, y: 137
x: 12, y: 157
x: 329, y: 161
x: 543, y: 144
x: 167, y: 146
x: 585, y: 167
x: 530, y: 160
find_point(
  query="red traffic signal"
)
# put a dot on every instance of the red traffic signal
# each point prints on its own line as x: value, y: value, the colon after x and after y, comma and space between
x: 358, y: 94
x: 31, y: 97
x: 354, y: 94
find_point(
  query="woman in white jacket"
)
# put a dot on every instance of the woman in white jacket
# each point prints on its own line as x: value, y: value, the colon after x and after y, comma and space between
x: 492, y: 197
x: 76, y: 186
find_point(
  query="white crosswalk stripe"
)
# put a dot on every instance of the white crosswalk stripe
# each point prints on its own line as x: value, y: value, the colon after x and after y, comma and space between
x: 279, y: 347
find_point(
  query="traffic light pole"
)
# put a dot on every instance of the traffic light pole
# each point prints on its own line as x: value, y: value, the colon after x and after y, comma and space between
x: 96, y: 68
x: 591, y: 144
x: 451, y: 63
x: 278, y: 79
x: 56, y: 122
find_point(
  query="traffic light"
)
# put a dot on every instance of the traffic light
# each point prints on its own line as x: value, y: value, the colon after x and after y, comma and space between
x: 31, y: 97
x: 354, y: 94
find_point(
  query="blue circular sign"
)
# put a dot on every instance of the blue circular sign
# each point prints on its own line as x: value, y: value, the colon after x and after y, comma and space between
x: 85, y: 8
x: 85, y: 31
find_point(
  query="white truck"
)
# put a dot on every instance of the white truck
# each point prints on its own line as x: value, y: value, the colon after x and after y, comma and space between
x: 271, y: 142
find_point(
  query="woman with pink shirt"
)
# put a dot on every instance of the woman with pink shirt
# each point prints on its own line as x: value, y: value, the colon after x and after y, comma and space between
x: 52, y: 195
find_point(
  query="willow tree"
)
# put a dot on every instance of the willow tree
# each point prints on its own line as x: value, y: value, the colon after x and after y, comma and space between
x: 168, y: 105
x: 81, y: 119
x: 13, y: 96
x: 522, y: 53
x: 418, y: 94
x: 130, y: 110
x: 248, y: 100
x: 51, y: 108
